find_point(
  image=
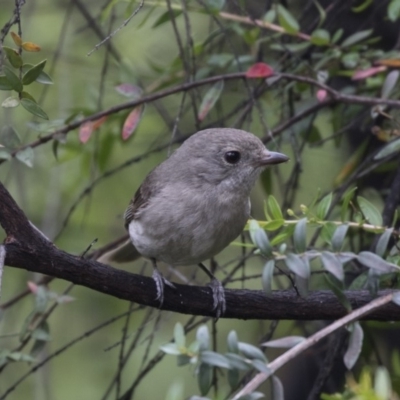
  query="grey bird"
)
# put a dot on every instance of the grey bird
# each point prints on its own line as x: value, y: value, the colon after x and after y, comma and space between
x: 192, y: 205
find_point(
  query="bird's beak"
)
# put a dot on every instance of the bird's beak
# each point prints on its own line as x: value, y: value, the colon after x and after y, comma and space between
x: 272, y: 157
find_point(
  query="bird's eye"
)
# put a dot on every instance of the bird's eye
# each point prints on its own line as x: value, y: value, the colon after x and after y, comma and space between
x: 232, y: 157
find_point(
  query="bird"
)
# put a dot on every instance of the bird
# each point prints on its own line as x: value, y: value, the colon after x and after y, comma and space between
x: 195, y: 203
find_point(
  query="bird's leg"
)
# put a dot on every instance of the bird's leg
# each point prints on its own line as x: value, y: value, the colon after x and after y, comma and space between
x: 219, y: 303
x: 160, y: 282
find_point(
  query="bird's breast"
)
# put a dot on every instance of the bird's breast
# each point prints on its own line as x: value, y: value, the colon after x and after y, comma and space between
x: 189, y: 227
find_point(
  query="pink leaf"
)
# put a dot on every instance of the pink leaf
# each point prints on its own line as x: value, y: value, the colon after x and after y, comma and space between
x: 366, y: 73
x: 85, y: 131
x: 128, y: 90
x: 259, y: 70
x: 32, y: 287
x: 132, y: 121
x: 321, y: 95
x: 98, y: 122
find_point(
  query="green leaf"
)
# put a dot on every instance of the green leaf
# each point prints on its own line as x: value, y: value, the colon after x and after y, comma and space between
x: 252, y: 352
x: 203, y: 337
x: 204, y: 378
x: 220, y: 60
x: 216, y: 5
x: 354, y: 347
x: 320, y: 37
x: 41, y: 296
x: 9, y: 138
x: 13, y: 56
x: 261, y: 366
x: 44, y: 79
x: 370, y: 212
x: 362, y: 6
x: 10, y: 102
x: 378, y: 264
x: 302, y: 285
x: 356, y: 38
x: 285, y: 343
x: 338, y: 237
x: 259, y: 238
x: 344, y: 301
x: 273, y: 225
x: 383, y: 385
x: 297, y: 265
x: 337, y: 35
x: 346, y: 256
x: 284, y: 235
x: 18, y: 356
x: 237, y: 361
x: 393, y: 10
x: 232, y: 341
x: 215, y: 359
x: 267, y: 277
x: 274, y: 207
x: 165, y: 17
x: 13, y: 79
x: 286, y: 20
x: 4, y: 83
x: 179, y: 335
x: 300, y: 236
x: 33, y: 108
x: 392, y: 147
x: 26, y: 95
x: 170, y: 348
x: 42, y: 332
x: 332, y: 264
x: 347, y: 197
x: 25, y: 156
x: 270, y: 16
x: 389, y: 84
x: 278, y: 392
x: 383, y: 241
x: 324, y: 206
x: 327, y: 232
x: 33, y: 73
x: 4, y: 155
x: 209, y: 99
x: 233, y: 378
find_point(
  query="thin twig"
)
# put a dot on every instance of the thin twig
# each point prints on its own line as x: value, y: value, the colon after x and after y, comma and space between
x: 295, y: 351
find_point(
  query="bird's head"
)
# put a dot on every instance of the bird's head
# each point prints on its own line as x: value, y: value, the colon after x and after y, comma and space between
x: 226, y: 156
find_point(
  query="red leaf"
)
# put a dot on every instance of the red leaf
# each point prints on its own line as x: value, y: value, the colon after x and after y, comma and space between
x: 259, y: 70
x: 85, y: 131
x: 131, y: 122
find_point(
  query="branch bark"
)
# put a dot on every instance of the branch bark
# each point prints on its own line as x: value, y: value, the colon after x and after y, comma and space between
x: 27, y: 248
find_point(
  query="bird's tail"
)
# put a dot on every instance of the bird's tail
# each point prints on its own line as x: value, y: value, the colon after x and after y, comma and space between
x: 124, y: 252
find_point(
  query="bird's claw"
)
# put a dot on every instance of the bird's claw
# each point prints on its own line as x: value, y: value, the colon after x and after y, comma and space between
x: 160, y: 282
x: 219, y: 303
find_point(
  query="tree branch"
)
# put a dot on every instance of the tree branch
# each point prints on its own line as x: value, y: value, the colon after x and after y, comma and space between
x: 27, y: 248
x: 335, y: 97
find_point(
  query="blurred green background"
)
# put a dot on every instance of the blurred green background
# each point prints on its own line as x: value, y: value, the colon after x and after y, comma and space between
x: 46, y: 192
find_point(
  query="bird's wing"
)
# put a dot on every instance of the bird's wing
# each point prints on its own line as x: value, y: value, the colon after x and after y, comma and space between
x: 140, y: 200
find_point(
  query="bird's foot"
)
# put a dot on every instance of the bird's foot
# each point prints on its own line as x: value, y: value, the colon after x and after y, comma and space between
x: 219, y: 303
x: 160, y: 282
